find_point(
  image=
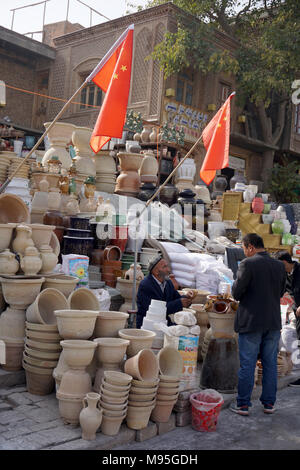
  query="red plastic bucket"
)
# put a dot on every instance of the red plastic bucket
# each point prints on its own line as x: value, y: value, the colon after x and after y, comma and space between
x: 205, y: 413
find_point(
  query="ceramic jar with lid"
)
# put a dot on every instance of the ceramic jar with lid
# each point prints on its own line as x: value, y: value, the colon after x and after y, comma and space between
x: 8, y: 263
x: 49, y: 259
x: 31, y: 262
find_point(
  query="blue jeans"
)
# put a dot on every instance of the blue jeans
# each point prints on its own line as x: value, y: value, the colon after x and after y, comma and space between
x: 250, y: 344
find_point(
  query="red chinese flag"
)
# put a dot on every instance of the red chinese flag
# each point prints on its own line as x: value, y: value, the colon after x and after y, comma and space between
x: 216, y: 141
x: 112, y: 75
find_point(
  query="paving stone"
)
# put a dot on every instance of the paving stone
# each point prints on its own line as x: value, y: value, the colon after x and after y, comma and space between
x: 162, y: 428
x: 17, y: 431
x: 18, y: 399
x: 101, y: 442
x: 42, y: 416
x: 146, y: 433
x: 35, y: 398
x: 5, y: 406
x: 48, y: 425
x: 11, y: 417
x: 9, y: 379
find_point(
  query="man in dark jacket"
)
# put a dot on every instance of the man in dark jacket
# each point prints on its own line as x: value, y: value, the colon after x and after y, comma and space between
x: 292, y: 287
x: 259, y: 285
x: 157, y: 286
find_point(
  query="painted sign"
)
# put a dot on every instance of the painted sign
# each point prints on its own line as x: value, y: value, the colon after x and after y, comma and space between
x: 191, y: 119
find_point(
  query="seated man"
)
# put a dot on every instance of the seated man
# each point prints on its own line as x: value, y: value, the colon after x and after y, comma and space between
x: 157, y: 286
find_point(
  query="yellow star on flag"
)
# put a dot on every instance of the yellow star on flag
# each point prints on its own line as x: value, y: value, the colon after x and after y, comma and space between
x: 219, y: 125
x: 123, y: 68
x: 115, y: 76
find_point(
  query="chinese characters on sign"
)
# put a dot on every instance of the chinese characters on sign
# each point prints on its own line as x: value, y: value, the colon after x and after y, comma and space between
x: 192, y: 120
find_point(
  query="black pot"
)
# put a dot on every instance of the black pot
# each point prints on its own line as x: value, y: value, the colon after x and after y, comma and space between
x: 77, y: 232
x: 80, y: 222
x: 147, y: 191
x: 168, y: 194
x: 78, y: 246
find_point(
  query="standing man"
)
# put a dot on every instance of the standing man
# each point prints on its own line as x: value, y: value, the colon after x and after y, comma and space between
x: 158, y: 286
x: 259, y: 285
x: 292, y: 269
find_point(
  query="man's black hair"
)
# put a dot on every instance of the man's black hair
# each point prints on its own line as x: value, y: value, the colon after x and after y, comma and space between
x: 283, y: 256
x: 254, y: 240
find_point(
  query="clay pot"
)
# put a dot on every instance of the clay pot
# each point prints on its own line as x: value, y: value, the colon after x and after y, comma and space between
x: 69, y: 407
x: 170, y: 362
x: 31, y: 262
x: 46, y: 355
x: 59, y: 137
x: 43, y: 337
x: 162, y: 411
x: 12, y: 324
x: 141, y: 384
x: 90, y: 416
x: 143, y: 390
x: 221, y: 324
x: 130, y: 162
x: 83, y: 299
x: 41, y: 234
x: 117, y: 378
x: 142, y: 397
x: 81, y: 141
x: 39, y: 381
x: 5, y: 235
x: 42, y: 309
x: 110, y: 350
x: 109, y: 323
x: 13, y: 209
x: 142, y: 366
x: 141, y: 404
x: 277, y: 227
x: 110, y: 425
x: 139, y: 339
x: 128, y: 182
x: 166, y: 396
x: 110, y: 394
x: 112, y: 253
x: 8, y: 263
x: 78, y: 353
x: 76, y: 324
x: 33, y: 361
x: 145, y: 135
x: 168, y: 390
x: 49, y: 259
x: 65, y: 284
x: 115, y: 388
x: 23, y: 239
x: 40, y: 345
x: 138, y: 417
x: 13, y: 354
x: 27, y: 290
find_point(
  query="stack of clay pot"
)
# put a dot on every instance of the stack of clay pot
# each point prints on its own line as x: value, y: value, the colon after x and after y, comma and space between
x: 18, y: 294
x: 128, y: 182
x: 143, y: 367
x: 5, y: 158
x: 85, y: 165
x: 105, y: 171
x: 111, y: 265
x: 24, y: 170
x: 114, y: 392
x: 76, y: 381
x: 221, y: 311
x: 185, y: 175
x: 283, y: 368
x: 110, y: 354
x: 139, y: 339
x: 42, y: 345
x: 170, y: 367
x: 205, y: 343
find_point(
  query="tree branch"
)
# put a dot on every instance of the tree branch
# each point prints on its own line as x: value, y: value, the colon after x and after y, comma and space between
x: 280, y: 122
x: 265, y: 122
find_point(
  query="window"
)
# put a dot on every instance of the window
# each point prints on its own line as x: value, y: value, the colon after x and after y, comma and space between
x: 224, y: 91
x: 297, y: 119
x: 91, y: 95
x: 184, y: 89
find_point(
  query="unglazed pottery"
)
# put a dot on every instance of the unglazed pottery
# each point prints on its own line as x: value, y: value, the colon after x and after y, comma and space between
x: 49, y: 259
x: 23, y: 239
x: 42, y: 309
x: 110, y: 350
x: 109, y: 323
x: 41, y: 234
x: 117, y: 378
x: 78, y: 353
x: 8, y: 263
x: 142, y: 366
x: 13, y: 209
x: 5, y: 235
x: 90, y: 416
x: 110, y: 425
x: 81, y: 140
x: 63, y: 283
x: 138, y: 417
x: 27, y: 290
x: 170, y: 362
x: 39, y: 381
x: 162, y: 411
x: 139, y: 339
x: 12, y: 324
x: 76, y: 324
x: 59, y: 137
x: 221, y: 324
x: 83, y: 299
x: 31, y: 262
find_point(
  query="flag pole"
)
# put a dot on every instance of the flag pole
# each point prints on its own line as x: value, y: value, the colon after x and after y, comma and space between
x: 8, y: 180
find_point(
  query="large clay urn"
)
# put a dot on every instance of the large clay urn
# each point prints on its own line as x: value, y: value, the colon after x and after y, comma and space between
x: 81, y: 140
x: 128, y: 182
x: 90, y: 416
x: 59, y: 137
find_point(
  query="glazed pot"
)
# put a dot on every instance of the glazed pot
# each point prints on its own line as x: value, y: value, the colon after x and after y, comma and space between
x: 162, y: 411
x: 78, y: 353
x: 109, y: 323
x: 138, y: 417
x: 267, y: 208
x: 110, y: 425
x: 90, y: 416
x: 42, y: 309
x: 142, y: 366
x: 49, y: 259
x: 139, y: 339
x: 27, y: 290
x: 5, y: 235
x: 8, y: 263
x: 83, y: 299
x: 110, y: 350
x: 13, y: 209
x: 257, y: 205
x: 65, y: 284
x: 76, y: 324
x: 170, y: 362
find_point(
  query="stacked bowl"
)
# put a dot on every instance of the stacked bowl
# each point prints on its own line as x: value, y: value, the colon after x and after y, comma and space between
x: 114, y: 392
x: 24, y: 170
x: 40, y: 357
x: 4, y: 164
x: 170, y: 367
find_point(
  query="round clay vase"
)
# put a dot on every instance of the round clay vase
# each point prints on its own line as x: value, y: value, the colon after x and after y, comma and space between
x: 257, y: 205
x: 145, y: 135
x: 31, y: 262
x: 90, y: 417
x: 23, y: 239
x: 48, y: 258
x: 142, y: 366
x: 153, y: 135
x: 8, y: 263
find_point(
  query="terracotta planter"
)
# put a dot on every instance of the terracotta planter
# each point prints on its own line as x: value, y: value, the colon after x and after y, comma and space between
x: 222, y: 325
x: 166, y: 397
x: 130, y: 161
x: 69, y: 407
x: 142, y: 390
x: 121, y: 408
x: 41, y: 234
x: 12, y: 324
x: 109, y: 394
x: 90, y: 416
x: 38, y: 381
x: 114, y: 412
x: 110, y: 350
x: 83, y: 299
x: 13, y: 209
x: 59, y: 137
x: 138, y: 417
x: 168, y: 378
x: 76, y: 324
x: 42, y: 309
x: 114, y: 400
x: 142, y: 366
x: 39, y: 345
x: 139, y: 339
x: 142, y: 404
x: 162, y: 411
x: 43, y: 337
x: 5, y: 235
x: 109, y: 323
x: 46, y: 355
x: 110, y: 425
x: 121, y: 234
x: 33, y: 361
x: 115, y: 388
x: 81, y: 141
x: 27, y: 290
x: 125, y: 287
x: 78, y: 353
x: 13, y: 354
x: 167, y: 391
x: 141, y: 398
x: 112, y: 253
x: 65, y: 284
x: 117, y: 378
x: 145, y: 384
x: 170, y: 362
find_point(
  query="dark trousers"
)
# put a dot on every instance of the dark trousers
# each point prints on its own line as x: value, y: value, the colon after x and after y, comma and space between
x: 297, y: 326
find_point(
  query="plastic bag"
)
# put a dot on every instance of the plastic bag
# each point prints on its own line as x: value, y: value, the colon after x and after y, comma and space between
x: 206, y: 400
x: 185, y: 318
x: 103, y: 298
x: 76, y: 265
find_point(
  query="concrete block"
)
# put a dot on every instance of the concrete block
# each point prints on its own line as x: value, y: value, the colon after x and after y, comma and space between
x: 163, y: 428
x: 183, y: 418
x: 9, y: 379
x: 146, y: 433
